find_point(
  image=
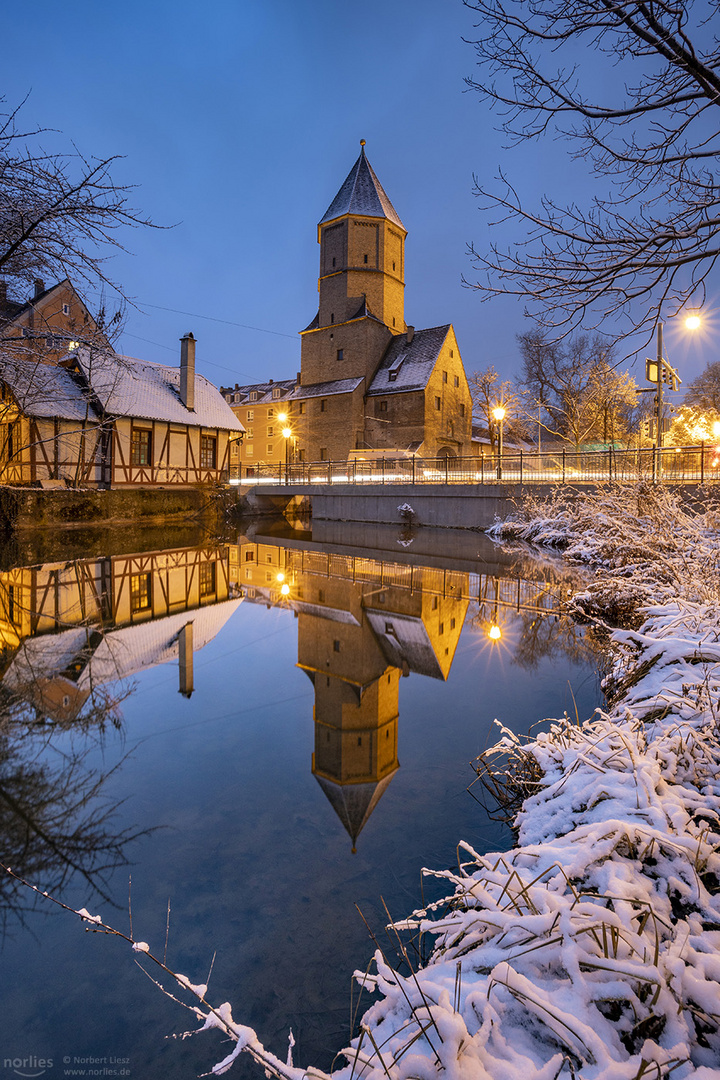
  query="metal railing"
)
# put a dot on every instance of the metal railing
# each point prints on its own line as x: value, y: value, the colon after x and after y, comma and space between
x: 680, y: 465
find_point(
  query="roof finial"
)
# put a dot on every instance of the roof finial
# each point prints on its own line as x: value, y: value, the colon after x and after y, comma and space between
x: 362, y: 142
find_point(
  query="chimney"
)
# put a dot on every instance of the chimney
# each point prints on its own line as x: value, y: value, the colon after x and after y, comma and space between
x: 187, y: 371
x: 185, y: 650
x: 39, y: 287
x: 297, y: 379
x: 410, y: 334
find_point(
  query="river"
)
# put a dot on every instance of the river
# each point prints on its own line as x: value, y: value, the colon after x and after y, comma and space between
x: 271, y: 734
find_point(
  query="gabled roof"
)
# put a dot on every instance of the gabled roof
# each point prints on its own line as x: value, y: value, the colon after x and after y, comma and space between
x: 104, y: 382
x: 327, y: 389
x: 408, y: 366
x: 126, y: 386
x: 363, y: 312
x: 362, y: 193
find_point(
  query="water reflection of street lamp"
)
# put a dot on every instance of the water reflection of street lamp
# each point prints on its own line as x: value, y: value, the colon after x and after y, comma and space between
x: 499, y: 415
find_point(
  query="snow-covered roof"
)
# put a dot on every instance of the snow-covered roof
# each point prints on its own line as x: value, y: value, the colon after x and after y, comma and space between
x: 409, y: 365
x: 265, y: 393
x: 119, y: 653
x: 405, y: 638
x: 362, y: 193
x: 327, y: 389
x: 46, y: 390
x: 117, y: 385
x: 126, y: 386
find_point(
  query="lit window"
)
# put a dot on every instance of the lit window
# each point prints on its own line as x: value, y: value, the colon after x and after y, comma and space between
x: 208, y: 451
x: 269, y: 448
x: 139, y: 592
x: 140, y: 446
x: 249, y: 556
x: 207, y: 579
x: 270, y: 430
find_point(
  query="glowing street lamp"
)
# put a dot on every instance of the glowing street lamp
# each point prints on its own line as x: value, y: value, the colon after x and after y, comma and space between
x: 494, y: 633
x: 661, y: 372
x: 499, y: 415
x: 693, y: 322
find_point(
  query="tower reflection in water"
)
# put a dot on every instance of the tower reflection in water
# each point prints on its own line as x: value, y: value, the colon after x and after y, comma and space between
x: 362, y: 625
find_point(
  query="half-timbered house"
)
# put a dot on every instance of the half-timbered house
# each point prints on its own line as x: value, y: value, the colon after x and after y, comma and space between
x: 98, y: 419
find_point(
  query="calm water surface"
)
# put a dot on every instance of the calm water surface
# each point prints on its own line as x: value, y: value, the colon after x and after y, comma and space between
x: 266, y: 762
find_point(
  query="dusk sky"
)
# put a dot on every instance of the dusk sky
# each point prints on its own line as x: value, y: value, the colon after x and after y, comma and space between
x: 238, y: 122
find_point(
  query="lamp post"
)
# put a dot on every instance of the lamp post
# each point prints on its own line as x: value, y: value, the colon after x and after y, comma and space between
x: 662, y: 372
x: 499, y: 415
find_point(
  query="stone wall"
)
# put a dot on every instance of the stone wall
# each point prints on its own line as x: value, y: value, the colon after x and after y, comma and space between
x: 33, y: 508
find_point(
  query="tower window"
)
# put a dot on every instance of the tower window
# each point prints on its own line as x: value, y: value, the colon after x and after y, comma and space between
x: 393, y: 266
x: 462, y: 409
x: 336, y: 645
x: 456, y: 380
x: 437, y: 403
x: 364, y: 258
x: 383, y: 406
x: 332, y: 316
x: 333, y: 260
x: 393, y: 320
x: 301, y: 408
x: 66, y: 309
x: 445, y: 376
x: 323, y: 453
x: 322, y: 405
x: 451, y: 354
x: 340, y: 354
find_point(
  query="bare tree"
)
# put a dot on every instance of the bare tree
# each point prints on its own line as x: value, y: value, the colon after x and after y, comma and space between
x: 647, y: 132
x: 572, y: 388
x: 488, y: 391
x: 705, y: 390
x: 60, y: 214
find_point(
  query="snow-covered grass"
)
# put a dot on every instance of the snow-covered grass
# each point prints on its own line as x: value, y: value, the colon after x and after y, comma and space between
x: 592, y: 948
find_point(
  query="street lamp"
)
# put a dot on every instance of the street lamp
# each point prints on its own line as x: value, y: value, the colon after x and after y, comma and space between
x: 499, y: 415
x: 661, y: 372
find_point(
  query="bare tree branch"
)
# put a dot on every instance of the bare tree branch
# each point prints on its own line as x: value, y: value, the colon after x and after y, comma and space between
x: 649, y: 137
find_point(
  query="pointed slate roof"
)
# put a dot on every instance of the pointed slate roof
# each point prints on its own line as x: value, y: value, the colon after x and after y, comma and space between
x: 362, y: 193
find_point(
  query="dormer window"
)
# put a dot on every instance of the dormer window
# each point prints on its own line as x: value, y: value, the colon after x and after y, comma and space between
x: 252, y: 396
x: 277, y: 392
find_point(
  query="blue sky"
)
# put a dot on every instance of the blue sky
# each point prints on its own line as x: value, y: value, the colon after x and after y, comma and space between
x: 238, y: 121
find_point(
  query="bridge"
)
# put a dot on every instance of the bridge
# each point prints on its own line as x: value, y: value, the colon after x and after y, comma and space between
x: 465, y: 493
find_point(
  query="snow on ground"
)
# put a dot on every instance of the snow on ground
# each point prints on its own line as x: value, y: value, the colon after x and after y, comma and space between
x: 591, y: 949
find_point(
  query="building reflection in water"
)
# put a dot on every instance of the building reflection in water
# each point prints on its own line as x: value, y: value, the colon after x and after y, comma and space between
x: 70, y: 634
x: 362, y: 625
x: 67, y: 629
